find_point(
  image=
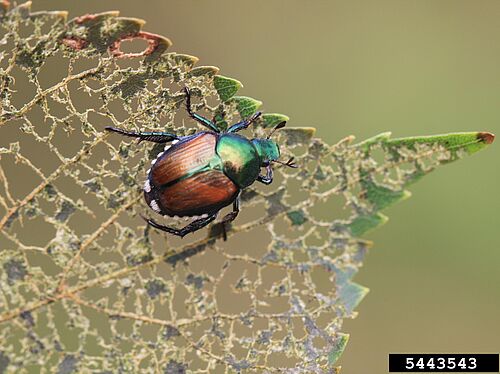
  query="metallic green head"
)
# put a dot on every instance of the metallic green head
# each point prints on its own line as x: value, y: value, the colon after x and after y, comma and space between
x: 267, y: 150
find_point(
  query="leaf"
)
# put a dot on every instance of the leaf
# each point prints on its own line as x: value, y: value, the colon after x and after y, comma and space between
x: 88, y: 286
x: 226, y: 87
x: 246, y: 106
x: 338, y: 349
x: 351, y: 295
x: 202, y: 71
x: 366, y: 222
x: 272, y: 119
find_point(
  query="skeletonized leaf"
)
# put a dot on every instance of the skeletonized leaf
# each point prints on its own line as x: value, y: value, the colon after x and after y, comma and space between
x: 87, y: 286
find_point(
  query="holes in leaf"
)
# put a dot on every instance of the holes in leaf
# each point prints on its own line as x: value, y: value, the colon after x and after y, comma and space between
x: 133, y: 46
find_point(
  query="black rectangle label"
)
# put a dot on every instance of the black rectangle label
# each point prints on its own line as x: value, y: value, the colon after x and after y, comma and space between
x: 443, y: 362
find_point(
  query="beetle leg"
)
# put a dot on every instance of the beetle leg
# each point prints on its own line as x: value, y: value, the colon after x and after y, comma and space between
x: 244, y: 124
x: 205, y: 122
x: 268, y: 178
x: 230, y: 217
x: 192, y: 227
x: 156, y: 137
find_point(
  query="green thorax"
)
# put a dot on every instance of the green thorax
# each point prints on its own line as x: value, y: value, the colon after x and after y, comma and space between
x: 240, y: 159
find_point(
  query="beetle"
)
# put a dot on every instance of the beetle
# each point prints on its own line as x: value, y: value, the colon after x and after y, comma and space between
x: 198, y: 175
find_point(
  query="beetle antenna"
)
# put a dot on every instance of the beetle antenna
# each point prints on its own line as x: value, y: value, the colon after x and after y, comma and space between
x: 278, y: 126
x: 290, y: 163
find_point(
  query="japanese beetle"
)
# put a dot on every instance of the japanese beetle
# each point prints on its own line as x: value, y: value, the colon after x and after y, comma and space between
x: 198, y: 175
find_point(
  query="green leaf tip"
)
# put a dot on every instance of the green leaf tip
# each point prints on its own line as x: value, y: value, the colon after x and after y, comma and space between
x: 380, y: 196
x: 363, y: 224
x: 351, y: 294
x: 338, y: 348
x: 246, y: 106
x: 226, y: 87
x: 471, y: 142
x: 272, y: 119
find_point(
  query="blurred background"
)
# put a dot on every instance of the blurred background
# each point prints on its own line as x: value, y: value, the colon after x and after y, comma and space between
x: 361, y: 68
